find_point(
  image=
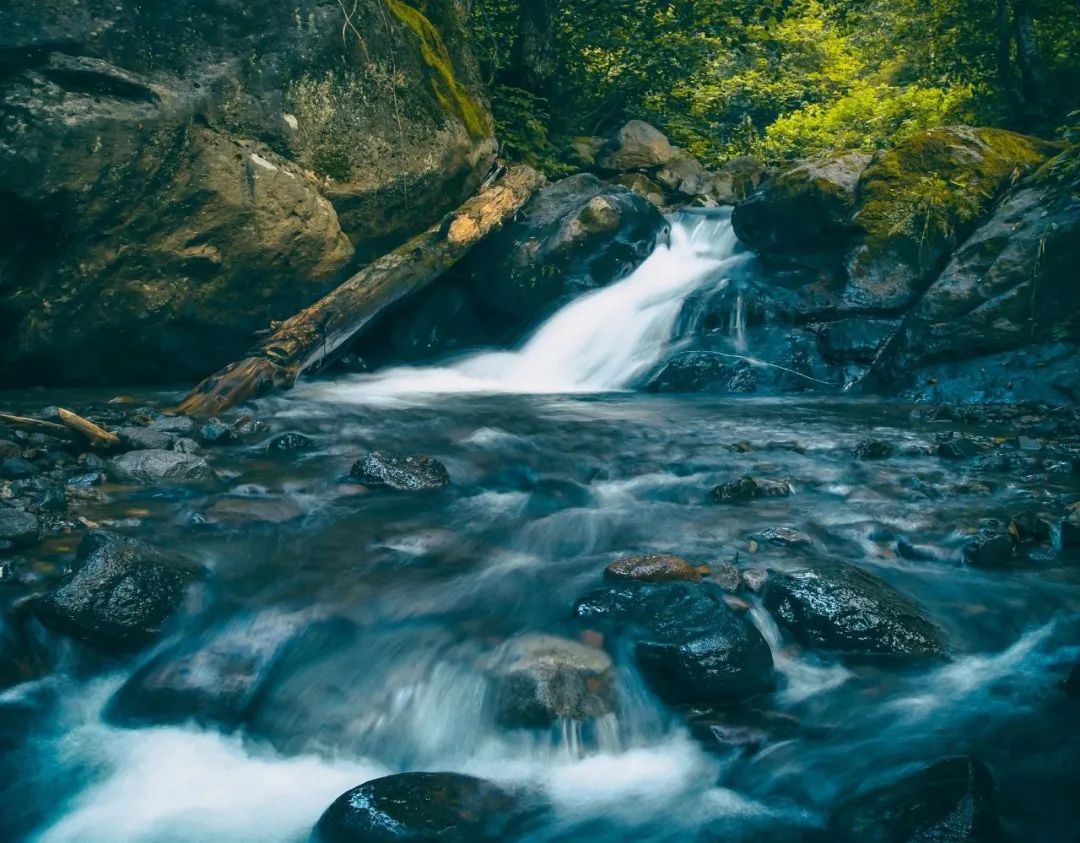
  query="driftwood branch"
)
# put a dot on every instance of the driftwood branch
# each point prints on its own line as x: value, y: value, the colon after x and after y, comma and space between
x: 315, y: 333
x: 38, y: 425
x: 98, y: 436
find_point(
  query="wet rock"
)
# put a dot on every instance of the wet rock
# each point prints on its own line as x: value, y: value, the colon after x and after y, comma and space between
x: 755, y: 579
x: 290, y: 441
x: 121, y: 593
x: 701, y: 371
x: 636, y: 146
x: 541, y: 678
x: 782, y: 537
x: 844, y: 609
x: 216, y: 432
x: 145, y: 438
x: 9, y: 449
x: 156, y: 466
x: 422, y: 806
x: 989, y: 549
x: 642, y: 185
x: 949, y: 801
x: 215, y: 679
x: 249, y: 509
x: 412, y: 473
x: 739, y: 730
x: 691, y: 646
x: 17, y: 468
x: 725, y: 575
x: 1031, y: 524
x: 655, y: 567
x: 683, y: 175
x: 874, y: 449
x: 18, y: 527
x: 747, y: 488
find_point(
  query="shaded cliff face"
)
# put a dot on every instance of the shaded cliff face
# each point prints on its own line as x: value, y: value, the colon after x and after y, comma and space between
x: 175, y: 176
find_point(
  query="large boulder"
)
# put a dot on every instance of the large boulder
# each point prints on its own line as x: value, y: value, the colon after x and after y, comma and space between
x: 949, y: 801
x: 691, y: 646
x: 422, y: 806
x: 843, y: 609
x: 806, y: 208
x: 1011, y: 283
x: 175, y: 177
x: 542, y: 678
x: 121, y: 594
x: 636, y: 146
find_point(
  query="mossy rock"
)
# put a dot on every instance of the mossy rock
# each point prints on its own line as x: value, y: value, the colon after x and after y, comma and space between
x: 917, y: 201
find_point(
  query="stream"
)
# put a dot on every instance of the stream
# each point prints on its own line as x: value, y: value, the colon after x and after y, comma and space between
x: 556, y: 471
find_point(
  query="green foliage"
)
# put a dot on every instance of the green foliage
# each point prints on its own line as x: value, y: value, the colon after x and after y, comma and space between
x: 522, y: 124
x: 784, y: 78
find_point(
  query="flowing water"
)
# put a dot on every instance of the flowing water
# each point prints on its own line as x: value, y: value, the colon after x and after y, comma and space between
x: 555, y: 474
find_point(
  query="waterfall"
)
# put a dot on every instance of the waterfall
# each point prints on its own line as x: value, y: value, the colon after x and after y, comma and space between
x: 601, y: 341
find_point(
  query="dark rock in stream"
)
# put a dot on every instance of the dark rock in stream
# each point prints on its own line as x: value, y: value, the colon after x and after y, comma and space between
x: 121, y: 594
x: 843, y: 609
x: 691, y: 646
x: 542, y: 678
x: 21, y: 658
x: 703, y: 371
x: 989, y: 549
x: 17, y: 468
x: 157, y: 466
x: 408, y: 474
x: 18, y: 527
x: 145, y: 438
x: 874, y: 449
x: 290, y: 441
x: 783, y: 537
x: 747, y: 488
x: 949, y: 801
x: 445, y: 807
x: 1066, y: 532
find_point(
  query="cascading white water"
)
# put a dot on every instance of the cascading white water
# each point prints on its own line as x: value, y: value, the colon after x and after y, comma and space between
x: 599, y: 342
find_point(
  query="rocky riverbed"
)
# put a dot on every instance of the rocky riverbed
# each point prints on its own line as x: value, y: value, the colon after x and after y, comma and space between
x: 623, y: 616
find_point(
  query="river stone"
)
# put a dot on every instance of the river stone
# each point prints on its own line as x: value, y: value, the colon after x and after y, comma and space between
x: 1066, y: 532
x: 783, y: 537
x: 179, y: 425
x: 21, y: 658
x: 145, y: 438
x: 701, y: 371
x: 636, y: 146
x: 121, y: 594
x: 683, y: 175
x: 542, y: 678
x: 949, y: 801
x: 655, y: 567
x: 441, y: 807
x: 157, y: 466
x: 9, y: 449
x: 843, y: 609
x: 747, y: 488
x: 691, y: 646
x: 17, y: 468
x: 412, y: 474
x: 215, y: 679
x: 290, y: 441
x: 989, y: 549
x: 18, y: 527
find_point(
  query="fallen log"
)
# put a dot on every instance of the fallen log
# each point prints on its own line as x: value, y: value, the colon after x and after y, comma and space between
x: 309, y: 337
x: 98, y: 436
x: 38, y: 425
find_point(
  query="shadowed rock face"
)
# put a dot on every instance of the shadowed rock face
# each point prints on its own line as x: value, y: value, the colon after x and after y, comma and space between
x: 174, y: 176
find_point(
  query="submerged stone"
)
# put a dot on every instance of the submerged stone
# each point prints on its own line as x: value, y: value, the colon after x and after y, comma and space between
x: 655, y: 567
x: 158, y: 466
x: 542, y: 678
x: 747, y: 488
x: 949, y: 801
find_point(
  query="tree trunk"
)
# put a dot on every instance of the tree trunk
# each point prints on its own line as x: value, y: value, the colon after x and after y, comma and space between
x: 534, y: 61
x: 1027, y: 58
x: 1004, y: 54
x: 312, y: 335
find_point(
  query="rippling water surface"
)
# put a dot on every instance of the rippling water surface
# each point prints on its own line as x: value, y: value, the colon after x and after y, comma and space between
x: 417, y: 590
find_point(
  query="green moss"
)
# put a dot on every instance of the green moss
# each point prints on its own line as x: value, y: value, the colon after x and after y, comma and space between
x: 932, y: 187
x: 452, y: 96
